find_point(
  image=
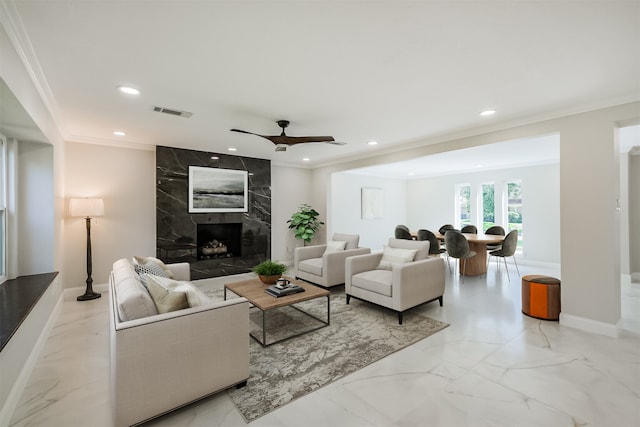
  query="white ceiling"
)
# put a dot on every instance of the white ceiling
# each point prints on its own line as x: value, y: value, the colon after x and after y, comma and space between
x: 392, y: 71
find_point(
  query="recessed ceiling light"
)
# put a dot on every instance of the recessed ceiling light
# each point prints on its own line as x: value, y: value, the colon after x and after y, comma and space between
x: 372, y: 143
x: 129, y: 90
x: 119, y: 133
x: 214, y: 157
x: 232, y: 149
x: 487, y: 112
x: 305, y: 159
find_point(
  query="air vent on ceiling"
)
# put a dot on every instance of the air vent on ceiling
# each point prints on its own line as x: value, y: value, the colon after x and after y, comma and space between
x: 173, y: 112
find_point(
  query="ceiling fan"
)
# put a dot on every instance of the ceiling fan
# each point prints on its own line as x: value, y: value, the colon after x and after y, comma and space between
x: 283, y: 141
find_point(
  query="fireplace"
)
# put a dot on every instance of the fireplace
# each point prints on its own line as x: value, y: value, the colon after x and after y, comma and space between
x: 219, y: 240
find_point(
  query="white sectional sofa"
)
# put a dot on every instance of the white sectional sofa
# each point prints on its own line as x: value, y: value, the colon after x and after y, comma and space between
x: 160, y: 362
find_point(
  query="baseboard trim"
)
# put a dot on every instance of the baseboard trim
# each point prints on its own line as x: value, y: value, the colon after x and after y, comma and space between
x: 590, y: 325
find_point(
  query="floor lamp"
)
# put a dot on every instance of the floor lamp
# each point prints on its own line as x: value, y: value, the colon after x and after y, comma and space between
x: 87, y: 208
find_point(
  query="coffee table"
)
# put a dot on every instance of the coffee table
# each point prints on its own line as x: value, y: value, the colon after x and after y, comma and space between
x: 254, y: 291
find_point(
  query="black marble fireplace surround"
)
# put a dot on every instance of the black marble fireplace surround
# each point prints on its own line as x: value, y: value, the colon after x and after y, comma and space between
x: 191, y: 237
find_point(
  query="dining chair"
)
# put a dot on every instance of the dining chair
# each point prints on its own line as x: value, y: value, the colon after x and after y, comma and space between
x: 446, y: 228
x: 458, y: 247
x: 402, y: 232
x: 471, y: 229
x: 509, y: 246
x: 494, y: 230
x: 434, y: 243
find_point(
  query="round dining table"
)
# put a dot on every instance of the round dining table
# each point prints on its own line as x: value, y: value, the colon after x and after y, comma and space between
x: 477, y: 265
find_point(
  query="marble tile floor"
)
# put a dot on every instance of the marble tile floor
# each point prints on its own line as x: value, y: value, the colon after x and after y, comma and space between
x: 493, y: 366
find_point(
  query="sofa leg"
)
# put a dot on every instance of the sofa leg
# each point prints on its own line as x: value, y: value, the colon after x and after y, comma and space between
x: 242, y: 384
x: 399, y: 318
x: 440, y: 300
x: 348, y: 298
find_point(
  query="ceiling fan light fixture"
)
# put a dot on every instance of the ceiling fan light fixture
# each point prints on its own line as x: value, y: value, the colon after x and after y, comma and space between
x: 281, y: 147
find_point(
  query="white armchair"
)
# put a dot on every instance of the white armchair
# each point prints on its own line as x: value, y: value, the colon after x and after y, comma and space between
x: 324, y: 264
x: 400, y: 278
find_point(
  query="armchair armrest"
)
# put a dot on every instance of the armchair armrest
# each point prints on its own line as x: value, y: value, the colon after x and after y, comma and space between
x: 307, y: 252
x: 417, y: 281
x: 333, y: 263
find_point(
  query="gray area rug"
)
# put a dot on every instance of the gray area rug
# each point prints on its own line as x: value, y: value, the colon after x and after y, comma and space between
x: 360, y: 334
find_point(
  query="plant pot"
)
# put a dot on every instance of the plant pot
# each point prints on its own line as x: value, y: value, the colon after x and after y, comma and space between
x: 269, y: 280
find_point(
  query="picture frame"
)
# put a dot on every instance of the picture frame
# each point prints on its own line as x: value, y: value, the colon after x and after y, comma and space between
x: 372, y: 203
x: 217, y: 190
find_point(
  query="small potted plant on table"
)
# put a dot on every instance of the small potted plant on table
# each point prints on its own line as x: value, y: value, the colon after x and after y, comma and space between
x: 269, y: 271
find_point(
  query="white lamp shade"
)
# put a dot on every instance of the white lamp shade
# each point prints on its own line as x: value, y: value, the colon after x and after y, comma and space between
x: 86, y: 207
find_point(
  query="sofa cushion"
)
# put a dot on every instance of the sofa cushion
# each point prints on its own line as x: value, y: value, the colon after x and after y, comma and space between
x: 133, y: 300
x: 352, y: 239
x: 392, y: 256
x: 195, y: 297
x: 312, y: 265
x: 151, y: 265
x: 165, y: 299
x: 378, y: 281
x: 335, y: 246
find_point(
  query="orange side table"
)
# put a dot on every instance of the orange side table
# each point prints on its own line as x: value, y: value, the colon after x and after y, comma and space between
x: 541, y: 297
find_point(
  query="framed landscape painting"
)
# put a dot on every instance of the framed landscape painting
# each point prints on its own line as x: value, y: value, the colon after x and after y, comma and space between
x: 217, y: 190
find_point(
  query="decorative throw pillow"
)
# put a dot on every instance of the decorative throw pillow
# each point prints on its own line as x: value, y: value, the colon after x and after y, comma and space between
x: 392, y: 256
x: 335, y: 246
x: 150, y: 265
x: 178, y: 286
x: 166, y: 300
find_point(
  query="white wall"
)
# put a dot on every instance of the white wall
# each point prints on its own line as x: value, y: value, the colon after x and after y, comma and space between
x: 589, y: 187
x: 430, y: 204
x: 35, y: 208
x: 345, y: 214
x: 125, y: 180
x: 290, y: 187
x: 15, y: 75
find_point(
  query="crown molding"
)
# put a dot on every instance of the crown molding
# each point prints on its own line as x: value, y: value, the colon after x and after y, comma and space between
x: 111, y: 143
x: 13, y: 26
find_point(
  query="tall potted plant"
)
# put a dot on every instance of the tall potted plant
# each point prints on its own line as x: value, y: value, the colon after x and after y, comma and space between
x: 305, y: 223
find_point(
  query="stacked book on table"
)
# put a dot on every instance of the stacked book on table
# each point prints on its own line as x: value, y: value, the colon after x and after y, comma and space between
x: 283, y: 289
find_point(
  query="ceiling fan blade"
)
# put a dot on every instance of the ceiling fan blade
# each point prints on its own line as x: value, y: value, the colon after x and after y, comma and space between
x: 244, y: 131
x: 336, y: 143
x: 283, y: 140
x: 301, y: 139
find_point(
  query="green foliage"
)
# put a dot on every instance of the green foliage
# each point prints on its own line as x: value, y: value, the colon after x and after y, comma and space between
x: 270, y: 268
x: 305, y: 223
x: 488, y: 202
x: 515, y: 217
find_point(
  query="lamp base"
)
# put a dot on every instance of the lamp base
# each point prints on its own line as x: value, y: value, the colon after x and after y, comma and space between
x: 89, y: 295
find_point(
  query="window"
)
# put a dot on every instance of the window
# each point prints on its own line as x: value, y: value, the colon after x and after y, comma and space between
x: 463, y: 205
x: 488, y: 206
x: 514, y: 209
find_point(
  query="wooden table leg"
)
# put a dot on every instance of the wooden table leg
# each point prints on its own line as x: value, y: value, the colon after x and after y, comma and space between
x: 476, y: 265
